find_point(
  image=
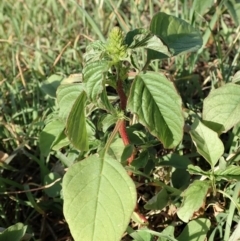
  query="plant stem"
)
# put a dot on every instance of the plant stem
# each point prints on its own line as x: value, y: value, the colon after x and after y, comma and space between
x: 122, y: 126
x: 122, y: 95
x: 111, y: 138
x: 123, y: 133
x: 146, y: 65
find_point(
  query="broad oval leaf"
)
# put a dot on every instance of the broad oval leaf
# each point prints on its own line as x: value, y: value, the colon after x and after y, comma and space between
x: 158, y: 106
x: 99, y: 198
x: 207, y: 142
x: 15, y: 232
x: 222, y: 107
x: 76, y: 124
x: 55, y: 188
x: 49, y: 135
x: 94, y: 75
x: 201, y: 7
x: 195, y: 230
x: 174, y: 160
x: 141, y: 161
x: 180, y: 178
x: 141, y: 235
x: 60, y: 142
x: 66, y: 96
x: 159, y: 201
x: 116, y: 149
x: 50, y: 85
x: 193, y: 198
x: 178, y: 35
x: 162, y: 236
x: 104, y: 103
x: 144, y: 38
x: 108, y: 121
x: 127, y: 152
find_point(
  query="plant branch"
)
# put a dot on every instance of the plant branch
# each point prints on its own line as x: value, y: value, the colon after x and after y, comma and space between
x: 123, y: 133
x: 146, y: 65
x: 122, y: 125
x: 122, y: 95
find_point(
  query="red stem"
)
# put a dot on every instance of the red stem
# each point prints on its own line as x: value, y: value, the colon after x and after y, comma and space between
x: 123, y: 133
x: 122, y: 128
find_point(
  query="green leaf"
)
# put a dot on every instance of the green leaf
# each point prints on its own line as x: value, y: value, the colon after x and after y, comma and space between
x: 76, y: 124
x: 127, y: 152
x: 149, y: 167
x: 60, y: 142
x: 229, y: 173
x: 222, y: 106
x: 158, y: 106
x: 13, y: 233
x: 50, y: 85
x: 91, y: 135
x: 193, y: 198
x: 144, y: 38
x: 180, y: 178
x: 195, y: 230
x: 55, y: 189
x: 116, y: 149
x: 49, y: 134
x: 168, y: 231
x: 66, y: 96
x: 137, y: 38
x: 196, y: 170
x: 174, y: 160
x: 178, y: 35
x: 94, y: 51
x: 161, y: 235
x: 108, y: 121
x: 159, y: 201
x: 233, y: 7
x: 104, y: 103
x: 201, y: 7
x: 207, y: 142
x: 61, y: 139
x: 141, y: 161
x: 236, y: 77
x: 154, y: 43
x: 99, y: 198
x: 141, y: 235
x: 94, y: 75
x: 137, y: 134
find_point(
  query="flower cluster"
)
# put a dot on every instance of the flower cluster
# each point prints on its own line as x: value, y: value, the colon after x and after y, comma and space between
x: 115, y: 47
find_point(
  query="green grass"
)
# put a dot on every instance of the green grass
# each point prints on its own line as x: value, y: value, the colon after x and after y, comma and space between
x: 48, y: 36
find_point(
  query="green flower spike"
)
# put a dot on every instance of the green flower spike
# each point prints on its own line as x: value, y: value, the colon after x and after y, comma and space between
x: 115, y: 47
